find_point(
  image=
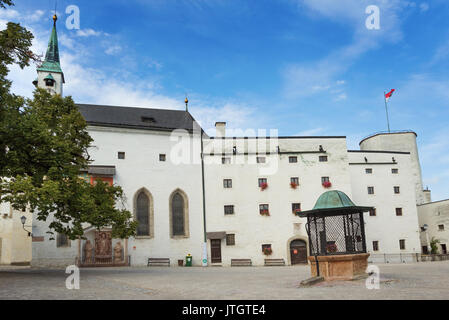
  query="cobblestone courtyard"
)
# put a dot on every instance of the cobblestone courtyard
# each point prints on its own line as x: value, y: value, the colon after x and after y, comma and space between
x: 398, y: 281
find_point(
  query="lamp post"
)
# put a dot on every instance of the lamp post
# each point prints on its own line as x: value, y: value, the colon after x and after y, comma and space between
x: 23, y: 219
x: 424, y: 228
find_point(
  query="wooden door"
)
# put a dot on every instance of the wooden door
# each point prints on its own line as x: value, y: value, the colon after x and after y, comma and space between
x: 215, y: 248
x: 298, y: 252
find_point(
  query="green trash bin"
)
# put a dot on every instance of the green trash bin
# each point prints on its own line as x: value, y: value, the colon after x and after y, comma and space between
x: 188, y: 260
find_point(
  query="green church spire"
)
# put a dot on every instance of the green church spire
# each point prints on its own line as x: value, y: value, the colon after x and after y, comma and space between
x: 51, y: 62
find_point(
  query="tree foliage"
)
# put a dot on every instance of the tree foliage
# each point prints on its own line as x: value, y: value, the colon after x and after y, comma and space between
x: 43, y: 148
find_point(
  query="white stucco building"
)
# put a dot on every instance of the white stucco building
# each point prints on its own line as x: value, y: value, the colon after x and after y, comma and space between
x: 240, y: 198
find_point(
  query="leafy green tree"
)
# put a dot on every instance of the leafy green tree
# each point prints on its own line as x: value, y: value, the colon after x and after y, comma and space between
x: 434, y: 245
x: 43, y: 148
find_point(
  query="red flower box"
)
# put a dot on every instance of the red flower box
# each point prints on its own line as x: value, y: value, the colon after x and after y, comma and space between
x: 296, y: 211
x: 267, y: 251
x: 264, y: 213
x: 327, y: 184
x: 293, y: 185
x: 263, y: 186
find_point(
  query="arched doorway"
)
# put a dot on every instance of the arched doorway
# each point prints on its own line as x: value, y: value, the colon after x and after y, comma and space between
x: 298, y: 251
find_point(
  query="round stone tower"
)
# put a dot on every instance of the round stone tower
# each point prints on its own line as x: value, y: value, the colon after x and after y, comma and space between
x: 404, y: 141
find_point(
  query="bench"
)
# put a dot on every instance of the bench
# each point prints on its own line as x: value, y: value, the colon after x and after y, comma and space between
x: 241, y: 263
x: 158, y: 262
x: 274, y: 262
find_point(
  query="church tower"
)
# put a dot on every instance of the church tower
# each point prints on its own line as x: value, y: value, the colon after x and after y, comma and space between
x: 49, y: 75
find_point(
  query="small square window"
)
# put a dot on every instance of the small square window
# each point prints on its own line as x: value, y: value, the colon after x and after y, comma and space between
x: 441, y: 227
x: 262, y: 181
x: 323, y: 158
x: 264, y: 209
x: 292, y: 159
x: 296, y: 207
x: 397, y: 190
x: 399, y: 211
x: 294, y: 180
x: 230, y: 239
x: 62, y: 240
x: 375, y: 245
x: 369, y: 170
x: 324, y: 179
x: 402, y: 244
x: 266, y: 247
x: 229, y: 209
x: 372, y: 212
x: 261, y: 159
x: 227, y: 183
x: 121, y: 155
x: 370, y: 190
x: 225, y: 160
x: 162, y: 157
x: 395, y: 171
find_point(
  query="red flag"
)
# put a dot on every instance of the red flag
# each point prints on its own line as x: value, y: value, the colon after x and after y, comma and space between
x: 389, y: 94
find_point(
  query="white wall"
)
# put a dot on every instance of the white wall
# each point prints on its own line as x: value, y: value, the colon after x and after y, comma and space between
x: 386, y: 227
x: 434, y: 214
x: 141, y: 168
x: 250, y: 228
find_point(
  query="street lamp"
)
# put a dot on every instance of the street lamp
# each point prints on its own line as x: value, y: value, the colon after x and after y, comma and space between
x: 23, y: 219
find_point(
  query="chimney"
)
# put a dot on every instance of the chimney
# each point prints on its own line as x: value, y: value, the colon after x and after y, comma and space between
x: 220, y: 129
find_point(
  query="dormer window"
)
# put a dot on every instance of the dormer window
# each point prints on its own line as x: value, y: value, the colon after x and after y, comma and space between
x: 49, y: 80
x: 148, y: 119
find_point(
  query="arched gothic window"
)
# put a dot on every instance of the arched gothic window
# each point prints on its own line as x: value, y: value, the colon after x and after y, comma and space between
x: 143, y: 207
x: 179, y: 222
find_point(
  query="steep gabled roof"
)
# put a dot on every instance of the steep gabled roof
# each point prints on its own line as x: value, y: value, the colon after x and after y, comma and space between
x: 51, y: 62
x: 137, y: 118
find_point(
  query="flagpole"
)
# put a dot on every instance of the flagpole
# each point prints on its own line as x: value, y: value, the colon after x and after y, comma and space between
x: 386, y: 111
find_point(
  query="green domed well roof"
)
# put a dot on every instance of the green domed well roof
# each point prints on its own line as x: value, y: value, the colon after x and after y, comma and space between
x: 333, y: 199
x: 333, y: 202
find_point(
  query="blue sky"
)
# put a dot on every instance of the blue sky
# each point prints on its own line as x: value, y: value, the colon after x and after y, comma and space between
x: 304, y: 67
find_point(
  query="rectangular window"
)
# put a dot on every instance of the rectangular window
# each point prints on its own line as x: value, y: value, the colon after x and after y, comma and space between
x: 62, y: 240
x: 375, y: 245
x: 296, y: 207
x: 394, y: 171
x: 399, y: 211
x: 229, y: 209
x: 227, y: 183
x: 294, y: 180
x: 266, y: 247
x: 397, y: 190
x: 264, y: 209
x: 369, y: 170
x: 425, y: 250
x: 225, y: 160
x: 292, y: 159
x: 323, y: 158
x: 441, y: 227
x: 324, y: 179
x: 261, y: 159
x: 402, y: 244
x: 162, y: 157
x: 262, y: 181
x: 230, y: 239
x: 121, y: 155
x: 372, y: 212
x: 370, y: 190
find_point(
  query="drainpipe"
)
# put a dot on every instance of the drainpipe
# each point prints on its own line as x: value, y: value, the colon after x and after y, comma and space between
x: 204, y: 262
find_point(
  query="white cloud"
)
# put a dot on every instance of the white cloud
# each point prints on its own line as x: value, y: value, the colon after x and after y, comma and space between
x: 424, y: 7
x: 322, y: 75
x: 88, y: 33
x: 113, y: 50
